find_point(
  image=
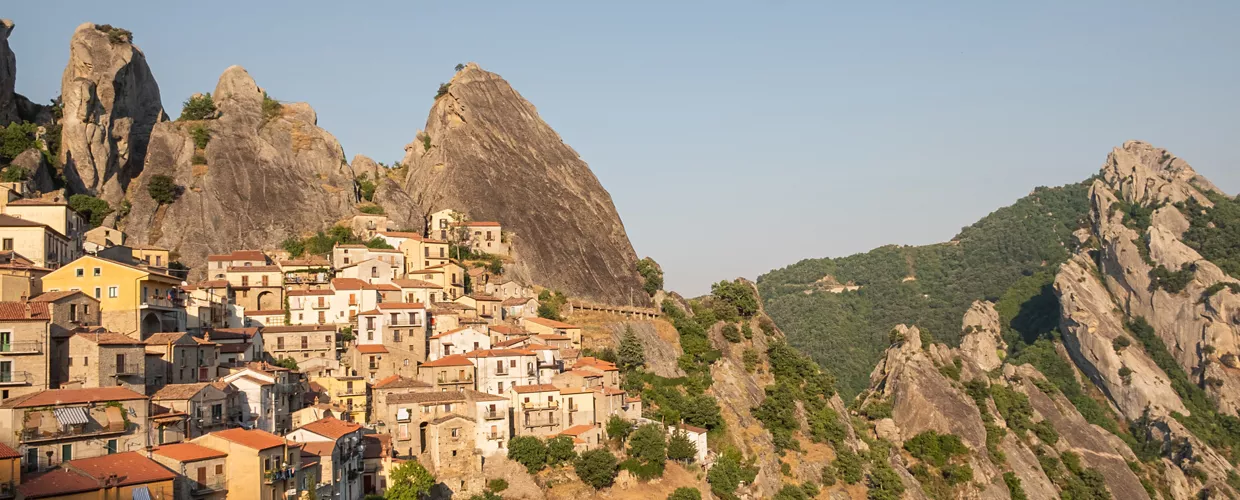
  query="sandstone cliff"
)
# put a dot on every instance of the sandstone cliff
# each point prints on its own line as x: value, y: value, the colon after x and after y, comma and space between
x: 111, y: 103
x: 492, y: 157
x: 261, y: 178
x: 8, y: 76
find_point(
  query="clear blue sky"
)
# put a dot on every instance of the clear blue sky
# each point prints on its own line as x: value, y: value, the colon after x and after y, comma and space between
x: 735, y: 137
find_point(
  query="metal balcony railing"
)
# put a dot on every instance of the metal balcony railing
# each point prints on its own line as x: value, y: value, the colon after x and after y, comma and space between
x: 129, y: 369
x: 218, y: 483
x: 495, y: 436
x: 542, y: 422
x: 73, y: 431
x: 494, y: 415
x: 540, y: 405
x: 14, y: 377
x: 22, y: 346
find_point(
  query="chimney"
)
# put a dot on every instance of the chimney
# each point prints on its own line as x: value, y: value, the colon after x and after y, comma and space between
x: 28, y: 308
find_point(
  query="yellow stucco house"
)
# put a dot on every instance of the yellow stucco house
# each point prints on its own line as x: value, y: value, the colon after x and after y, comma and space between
x: 348, y: 391
x: 132, y: 300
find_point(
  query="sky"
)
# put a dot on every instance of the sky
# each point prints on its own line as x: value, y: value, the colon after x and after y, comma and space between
x: 734, y: 137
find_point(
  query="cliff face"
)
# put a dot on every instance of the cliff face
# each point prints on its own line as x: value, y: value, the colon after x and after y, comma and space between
x: 492, y: 157
x: 8, y: 76
x: 264, y: 179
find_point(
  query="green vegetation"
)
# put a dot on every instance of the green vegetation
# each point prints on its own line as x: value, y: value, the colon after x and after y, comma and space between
x: 618, y: 428
x: 1080, y: 482
x: 653, y: 274
x: 426, y: 141
x: 409, y: 481
x: 1218, y: 287
x: 271, y: 108
x: 936, y: 471
x: 550, y: 303
x: 14, y: 173
x: 288, y: 363
x: 731, y: 333
x: 1219, y: 430
x: 1172, y: 281
x: 648, y: 445
x: 371, y: 209
x: 198, y: 159
x: 1014, y: 488
x: 685, y: 493
x: 443, y: 90
x: 321, y: 243
x: 596, y: 468
x: 460, y: 66
x: 849, y: 465
x: 366, y: 187
x: 791, y: 492
x: 201, y: 135
x: 936, y: 449
x: 848, y: 331
x: 528, y: 451
x: 198, y: 107
x: 680, y: 448
x: 560, y: 450
x: 115, y: 35
x: 883, y: 481
x: 91, y: 208
x: 15, y: 139
x: 1215, y: 232
x: 797, y: 378
x: 162, y: 189
x: 728, y: 473
x: 631, y: 355
x: 736, y: 295
x: 750, y: 358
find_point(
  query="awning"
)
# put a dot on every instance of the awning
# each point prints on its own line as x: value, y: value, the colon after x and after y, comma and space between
x: 141, y: 493
x: 71, y: 416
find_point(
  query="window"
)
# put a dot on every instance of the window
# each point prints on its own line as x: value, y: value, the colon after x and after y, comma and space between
x: 79, y: 272
x: 98, y: 292
x: 305, y: 342
x: 512, y: 363
x: 370, y: 335
x: 245, y: 281
x: 66, y: 452
x: 8, y: 243
x: 374, y: 272
x: 73, y: 313
x: 113, y: 292
x: 264, y: 280
x: 370, y: 323
x: 395, y: 335
x: 98, y: 271
x: 217, y: 412
x: 85, y: 360
x: 501, y: 391
x: 280, y: 343
x: 120, y: 363
x: 111, y: 448
x: 267, y: 463
x: 456, y: 432
x: 219, y: 469
x: 327, y: 339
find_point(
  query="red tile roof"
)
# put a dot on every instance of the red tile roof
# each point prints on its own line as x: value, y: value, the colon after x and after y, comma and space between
x: 54, y: 296
x: 6, y: 452
x: 180, y: 391
x: 53, y: 397
x: 453, y: 360
x: 349, y: 284
x: 409, y: 283
x: 371, y: 349
x: 523, y: 389
x: 401, y: 305
x: 399, y: 382
x: 108, y: 338
x: 577, y: 430
x: 268, y: 312
x: 331, y: 427
x: 188, y: 452
x: 24, y: 311
x: 318, y: 448
x: 481, y: 224
x: 300, y: 293
x: 483, y: 297
x: 251, y: 438
x: 88, y: 474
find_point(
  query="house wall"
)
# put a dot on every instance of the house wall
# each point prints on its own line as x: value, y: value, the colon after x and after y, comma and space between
x: 28, y: 356
x: 133, y: 438
x: 38, y: 244
x: 94, y: 365
x: 516, y: 370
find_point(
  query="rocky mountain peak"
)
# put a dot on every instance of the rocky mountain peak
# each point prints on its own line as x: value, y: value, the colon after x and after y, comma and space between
x: 486, y: 152
x: 1142, y: 173
x: 8, y: 75
x: 111, y: 103
x: 982, y: 341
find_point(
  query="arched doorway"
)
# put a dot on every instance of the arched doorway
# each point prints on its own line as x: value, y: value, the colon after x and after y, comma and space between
x: 151, y: 324
x: 267, y: 302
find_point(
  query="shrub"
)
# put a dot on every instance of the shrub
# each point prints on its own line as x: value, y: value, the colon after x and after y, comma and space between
x: 460, y: 66
x: 644, y: 471
x: 728, y: 473
x: 201, y: 135
x: 91, y: 208
x: 271, y: 108
x: 372, y: 209
x: 426, y: 141
x: 15, y: 139
x: 115, y: 35
x: 957, y: 473
x: 685, y: 493
x: 647, y: 444
x: 1120, y: 343
x: 162, y: 189
x: 1172, y: 282
x: 731, y: 333
x: 884, y: 483
x: 294, y: 246
x: 528, y: 451
x: 934, y: 448
x: 681, y: 448
x: 14, y: 173
x: 849, y: 466
x: 631, y: 354
x: 443, y: 90
x: 198, y: 107
x: 828, y: 475
x: 738, y: 295
x: 559, y: 450
x: 198, y: 159
x: 652, y: 273
x: 618, y: 428
x: 790, y: 492
x: 366, y: 187
x: 1014, y: 488
x: 497, y: 485
x: 750, y: 357
x: 409, y: 480
x: 596, y: 468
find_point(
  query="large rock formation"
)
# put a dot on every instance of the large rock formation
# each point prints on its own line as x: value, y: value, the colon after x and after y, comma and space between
x: 400, y: 209
x: 111, y: 103
x: 491, y: 156
x: 8, y: 76
x: 266, y: 177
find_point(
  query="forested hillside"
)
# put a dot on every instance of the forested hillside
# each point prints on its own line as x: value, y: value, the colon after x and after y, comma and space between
x: 930, y: 286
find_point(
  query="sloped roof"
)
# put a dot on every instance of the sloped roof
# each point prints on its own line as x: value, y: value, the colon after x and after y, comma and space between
x: 401, y: 305
x: 525, y: 389
x: 17, y: 311
x: 331, y: 427
x: 188, y: 452
x: 427, y: 397
x: 399, y: 382
x: 88, y: 474
x: 54, y: 296
x: 166, y: 338
x: 180, y: 391
x: 107, y: 338
x: 453, y: 360
x: 371, y: 349
x: 411, y: 283
x: 53, y: 397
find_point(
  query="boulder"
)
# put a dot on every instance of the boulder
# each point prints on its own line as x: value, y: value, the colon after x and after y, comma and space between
x: 35, y: 164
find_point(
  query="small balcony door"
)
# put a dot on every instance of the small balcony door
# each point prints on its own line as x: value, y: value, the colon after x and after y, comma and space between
x: 6, y: 341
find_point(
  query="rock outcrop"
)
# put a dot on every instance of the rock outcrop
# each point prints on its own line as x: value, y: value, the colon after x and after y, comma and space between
x: 8, y: 76
x: 982, y: 340
x: 486, y: 152
x: 111, y: 104
x: 389, y: 194
x: 40, y: 173
x: 263, y: 177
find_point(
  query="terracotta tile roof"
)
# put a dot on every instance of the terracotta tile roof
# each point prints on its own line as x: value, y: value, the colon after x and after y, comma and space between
x: 497, y: 353
x: 592, y: 362
x: 371, y: 349
x: 265, y: 367
x: 525, y: 389
x: 427, y: 397
x: 399, y: 382
x: 409, y: 283
x: 318, y: 448
x: 17, y: 311
x: 584, y: 373
x: 234, y: 348
x: 331, y: 427
x: 508, y: 330
x: 633, y: 399
x: 509, y: 342
x: 550, y: 323
x: 268, y: 312
x: 54, y: 296
x: 251, y: 438
x: 574, y: 390
x: 188, y: 452
x: 350, y: 245
x: 6, y: 452
x: 180, y: 391
x: 453, y: 360
x: 401, y: 234
x: 541, y: 347
x: 612, y: 391
x: 349, y: 284
x: 254, y: 269
x: 577, y: 430
x: 483, y: 297
x: 56, y: 482
x: 401, y: 305
x: 108, y: 338
x: 233, y: 333
x: 214, y: 284
x: 690, y: 428
x: 385, y: 287
x: 131, y: 467
x: 478, y: 396
x: 302, y: 293
x: 516, y: 301
x: 166, y: 338
x: 54, y: 397
x: 481, y: 224
x: 10, y: 221
x: 305, y: 262
x: 372, y: 312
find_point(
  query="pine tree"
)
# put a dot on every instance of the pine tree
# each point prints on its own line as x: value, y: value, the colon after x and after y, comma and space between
x: 632, y: 355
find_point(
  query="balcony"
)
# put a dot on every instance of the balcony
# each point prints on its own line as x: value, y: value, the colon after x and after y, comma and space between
x: 163, y: 302
x: 501, y: 373
x: 219, y: 483
x: 14, y: 378
x: 544, y: 405
x: 359, y: 391
x: 494, y: 415
x: 573, y: 408
x: 282, y: 474
x: 495, y: 436
x: 467, y: 379
x: 128, y: 369
x: 30, y: 436
x: 542, y: 422
x: 321, y: 305
x: 22, y: 347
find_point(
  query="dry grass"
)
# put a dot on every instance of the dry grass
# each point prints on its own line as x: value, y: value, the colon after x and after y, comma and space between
x: 301, y: 140
x: 199, y: 170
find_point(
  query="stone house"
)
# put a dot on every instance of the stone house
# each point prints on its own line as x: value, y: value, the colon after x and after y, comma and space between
x: 487, y: 307
x: 546, y: 326
x: 504, y: 333
x: 450, y: 276
x: 237, y: 346
x: 344, y: 255
x: 501, y: 369
x: 519, y: 307
x: 578, y: 406
x: 553, y: 340
x: 179, y: 358
x: 69, y: 311
x: 536, y: 410
x: 585, y: 436
x: 300, y: 342
x: 449, y: 445
x: 338, y: 444
x: 207, y: 305
x: 207, y: 407
x: 26, y: 350
x: 351, y: 296
x: 608, y: 370
x: 217, y: 265
x: 458, y: 341
x: 443, y: 319
x: 377, y: 461
x: 57, y: 425
x: 609, y: 401
x: 448, y: 373
x: 371, y: 361
x: 258, y: 464
x: 257, y: 288
x: 491, y: 429
x: 19, y: 276
x: 508, y: 288
x: 306, y: 274
x: 106, y: 359
x: 201, y: 471
x: 422, y: 292
x: 56, y: 215
x: 393, y: 384
x: 486, y: 237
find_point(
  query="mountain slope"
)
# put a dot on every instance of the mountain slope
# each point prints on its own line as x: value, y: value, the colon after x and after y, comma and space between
x: 491, y: 156
x: 929, y: 286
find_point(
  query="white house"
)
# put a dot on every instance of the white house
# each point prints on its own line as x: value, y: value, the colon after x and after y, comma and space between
x: 258, y: 391
x: 425, y: 292
x: 338, y: 444
x: 310, y: 307
x: 697, y: 436
x: 490, y: 422
x: 351, y: 296
x: 501, y: 369
x: 458, y: 341
x: 374, y: 270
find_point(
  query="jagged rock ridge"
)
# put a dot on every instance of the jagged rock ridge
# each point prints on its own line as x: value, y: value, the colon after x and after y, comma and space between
x: 492, y: 156
x: 8, y: 76
x: 111, y: 103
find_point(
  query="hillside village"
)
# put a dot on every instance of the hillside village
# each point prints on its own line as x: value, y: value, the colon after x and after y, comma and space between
x: 328, y: 370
